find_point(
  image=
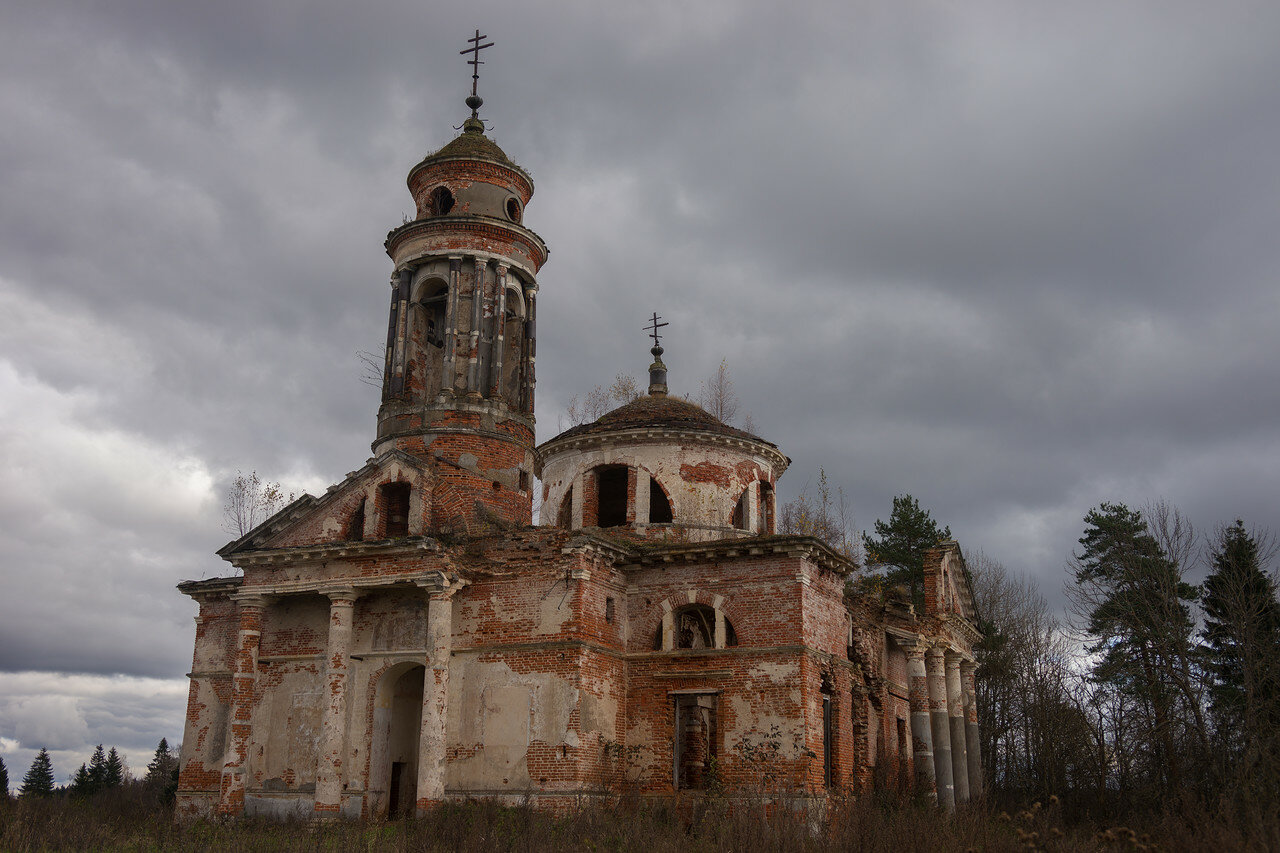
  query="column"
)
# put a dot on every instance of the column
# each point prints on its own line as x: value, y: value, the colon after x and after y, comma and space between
x: 956, y: 707
x: 499, y: 334
x: 642, y: 497
x: 435, y: 695
x: 333, y: 741
x: 575, y: 504
x: 244, y: 680
x: 973, y: 743
x: 477, y: 303
x: 941, y: 725
x: 751, y: 512
x: 449, y: 380
x: 921, y: 734
x: 531, y: 345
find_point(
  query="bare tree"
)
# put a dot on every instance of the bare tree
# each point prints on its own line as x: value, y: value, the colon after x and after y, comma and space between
x: 371, y: 367
x: 717, y: 395
x: 601, y: 400
x: 251, y: 501
x: 824, y: 515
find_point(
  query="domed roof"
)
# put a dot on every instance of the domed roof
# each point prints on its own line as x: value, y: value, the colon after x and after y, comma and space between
x: 471, y: 143
x: 658, y: 411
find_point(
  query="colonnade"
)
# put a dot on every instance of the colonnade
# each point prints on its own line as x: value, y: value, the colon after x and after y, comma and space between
x: 331, y: 777
x: 946, y: 751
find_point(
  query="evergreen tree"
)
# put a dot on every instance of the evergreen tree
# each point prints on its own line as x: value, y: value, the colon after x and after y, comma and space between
x: 909, y: 532
x: 1134, y: 604
x: 39, y: 779
x: 1242, y: 644
x: 95, y: 778
x: 81, y: 783
x: 113, y: 770
x: 4, y: 782
x: 160, y: 770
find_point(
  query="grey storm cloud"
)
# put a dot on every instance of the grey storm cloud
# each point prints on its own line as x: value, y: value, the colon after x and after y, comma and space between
x: 1012, y: 259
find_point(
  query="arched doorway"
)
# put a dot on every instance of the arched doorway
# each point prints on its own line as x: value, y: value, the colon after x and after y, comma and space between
x: 397, y: 724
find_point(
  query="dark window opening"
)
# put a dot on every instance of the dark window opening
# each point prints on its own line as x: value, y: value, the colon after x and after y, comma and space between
x: 564, y: 519
x: 828, y: 743
x: 355, y: 524
x: 766, y: 507
x: 828, y: 733
x: 695, y: 628
x: 739, y: 519
x: 695, y: 742
x: 524, y: 481
x: 441, y: 201
x: 434, y: 308
x: 395, y: 501
x: 608, y: 610
x: 611, y: 496
x: 659, y: 506
x: 513, y: 210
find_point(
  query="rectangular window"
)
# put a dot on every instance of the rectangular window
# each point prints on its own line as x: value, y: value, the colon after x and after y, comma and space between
x: 695, y: 741
x: 608, y: 610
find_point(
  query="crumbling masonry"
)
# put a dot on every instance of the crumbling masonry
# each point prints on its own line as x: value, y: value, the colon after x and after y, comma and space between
x: 409, y: 637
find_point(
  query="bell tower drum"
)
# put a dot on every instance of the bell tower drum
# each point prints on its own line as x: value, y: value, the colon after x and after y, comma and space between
x: 458, y: 384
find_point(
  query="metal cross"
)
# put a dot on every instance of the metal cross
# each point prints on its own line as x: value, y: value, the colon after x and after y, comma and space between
x: 654, y: 326
x: 475, y: 62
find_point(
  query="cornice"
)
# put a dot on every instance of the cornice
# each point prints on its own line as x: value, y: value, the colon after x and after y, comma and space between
x: 408, y: 545
x: 662, y: 435
x: 808, y: 547
x: 467, y: 223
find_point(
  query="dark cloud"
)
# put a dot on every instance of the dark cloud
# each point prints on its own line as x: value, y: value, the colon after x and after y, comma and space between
x: 1013, y: 260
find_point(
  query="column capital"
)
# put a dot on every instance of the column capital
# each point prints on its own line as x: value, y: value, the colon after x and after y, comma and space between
x: 257, y: 600
x: 341, y: 594
x: 968, y: 666
x: 440, y: 584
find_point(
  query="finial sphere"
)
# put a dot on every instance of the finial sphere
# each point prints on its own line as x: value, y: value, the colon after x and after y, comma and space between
x: 475, y: 102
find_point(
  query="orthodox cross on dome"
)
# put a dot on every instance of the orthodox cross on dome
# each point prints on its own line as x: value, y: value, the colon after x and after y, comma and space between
x: 654, y: 326
x: 657, y: 370
x: 475, y: 62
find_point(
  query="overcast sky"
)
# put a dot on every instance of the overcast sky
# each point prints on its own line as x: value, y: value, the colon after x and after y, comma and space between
x: 1011, y: 258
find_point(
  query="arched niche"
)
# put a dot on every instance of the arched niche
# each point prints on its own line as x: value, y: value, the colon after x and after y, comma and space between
x: 427, y: 316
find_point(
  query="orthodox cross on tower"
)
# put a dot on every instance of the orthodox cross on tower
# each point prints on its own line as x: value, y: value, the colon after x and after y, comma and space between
x: 475, y: 62
x: 654, y: 326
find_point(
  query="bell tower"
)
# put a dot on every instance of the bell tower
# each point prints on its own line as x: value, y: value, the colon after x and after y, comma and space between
x: 458, y: 382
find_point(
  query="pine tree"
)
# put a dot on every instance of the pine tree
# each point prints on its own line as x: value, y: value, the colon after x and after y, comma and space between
x: 39, y: 779
x: 1242, y: 643
x: 1134, y: 604
x: 113, y: 770
x: 902, y: 542
x: 4, y: 782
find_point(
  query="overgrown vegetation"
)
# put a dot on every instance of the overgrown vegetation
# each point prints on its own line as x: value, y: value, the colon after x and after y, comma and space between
x: 130, y: 819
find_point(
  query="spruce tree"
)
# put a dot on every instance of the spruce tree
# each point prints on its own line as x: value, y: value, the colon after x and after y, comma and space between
x: 39, y: 779
x: 901, y: 543
x: 81, y: 782
x: 4, y: 782
x: 113, y: 770
x: 96, y: 776
x: 1242, y: 642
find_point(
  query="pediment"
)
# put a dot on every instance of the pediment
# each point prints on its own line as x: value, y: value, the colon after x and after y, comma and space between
x: 335, y: 515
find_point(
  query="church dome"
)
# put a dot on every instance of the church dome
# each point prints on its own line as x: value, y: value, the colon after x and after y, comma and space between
x: 470, y: 144
x: 661, y: 467
x: 658, y: 411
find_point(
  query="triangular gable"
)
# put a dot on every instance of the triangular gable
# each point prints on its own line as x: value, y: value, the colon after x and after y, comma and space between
x: 311, y: 520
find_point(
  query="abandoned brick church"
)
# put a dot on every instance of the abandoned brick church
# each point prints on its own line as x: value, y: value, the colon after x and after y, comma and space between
x: 409, y: 637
